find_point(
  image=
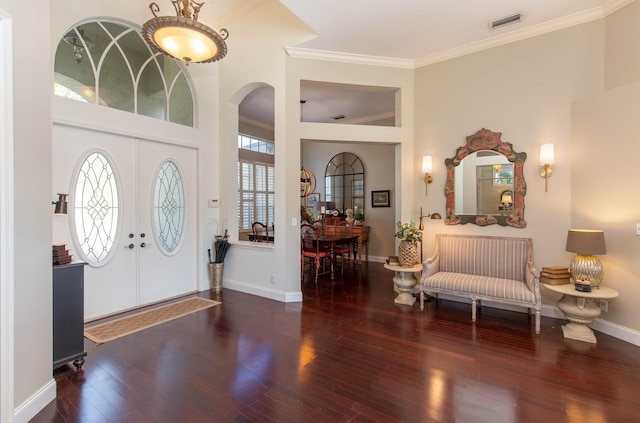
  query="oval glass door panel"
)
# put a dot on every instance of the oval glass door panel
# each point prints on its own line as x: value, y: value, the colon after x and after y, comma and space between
x: 96, y: 208
x: 169, y: 207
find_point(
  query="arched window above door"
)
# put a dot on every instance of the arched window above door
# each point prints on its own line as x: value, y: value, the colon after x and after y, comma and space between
x: 108, y: 63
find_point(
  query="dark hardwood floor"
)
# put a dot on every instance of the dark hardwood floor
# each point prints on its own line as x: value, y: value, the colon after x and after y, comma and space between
x: 349, y: 354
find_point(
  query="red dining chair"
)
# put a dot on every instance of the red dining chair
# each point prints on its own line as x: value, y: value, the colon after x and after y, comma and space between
x: 342, y: 228
x: 311, y: 248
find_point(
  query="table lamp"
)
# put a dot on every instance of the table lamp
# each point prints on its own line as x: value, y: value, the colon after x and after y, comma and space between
x: 586, y: 244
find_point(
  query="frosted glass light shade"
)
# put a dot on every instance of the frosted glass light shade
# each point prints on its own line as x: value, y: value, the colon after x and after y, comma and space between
x: 427, y: 164
x: 546, y: 154
x: 182, y: 36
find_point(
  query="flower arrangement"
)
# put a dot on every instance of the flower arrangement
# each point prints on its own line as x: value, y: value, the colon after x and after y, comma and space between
x: 408, y: 232
x: 306, y: 216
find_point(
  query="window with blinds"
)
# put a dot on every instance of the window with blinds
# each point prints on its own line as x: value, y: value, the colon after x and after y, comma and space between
x: 256, y: 194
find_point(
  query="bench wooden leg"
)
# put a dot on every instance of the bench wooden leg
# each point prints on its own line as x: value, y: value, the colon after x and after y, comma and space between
x: 421, y: 300
x: 538, y: 322
x: 473, y: 309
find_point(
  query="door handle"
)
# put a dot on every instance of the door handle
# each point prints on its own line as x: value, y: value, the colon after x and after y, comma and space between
x: 142, y: 245
x: 130, y: 246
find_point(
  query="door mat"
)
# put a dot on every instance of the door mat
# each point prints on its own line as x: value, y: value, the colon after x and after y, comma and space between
x: 118, y: 328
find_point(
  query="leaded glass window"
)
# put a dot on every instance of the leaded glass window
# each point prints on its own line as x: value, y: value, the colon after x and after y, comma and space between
x: 96, y: 208
x: 169, y: 207
x: 108, y: 63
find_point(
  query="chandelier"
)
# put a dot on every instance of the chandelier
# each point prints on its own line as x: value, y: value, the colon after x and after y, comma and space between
x: 307, y: 182
x: 182, y: 36
x: 78, y: 40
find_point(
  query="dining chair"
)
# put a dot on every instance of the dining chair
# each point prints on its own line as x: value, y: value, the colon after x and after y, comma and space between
x: 311, y: 248
x: 342, y: 228
x: 260, y: 232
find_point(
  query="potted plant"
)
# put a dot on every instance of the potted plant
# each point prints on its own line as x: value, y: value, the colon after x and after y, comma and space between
x: 359, y: 218
x: 409, y: 235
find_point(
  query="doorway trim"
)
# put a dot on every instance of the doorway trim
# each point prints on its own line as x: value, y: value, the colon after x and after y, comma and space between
x: 7, y: 275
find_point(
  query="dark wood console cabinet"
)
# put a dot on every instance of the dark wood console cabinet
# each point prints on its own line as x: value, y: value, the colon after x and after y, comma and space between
x: 68, y: 314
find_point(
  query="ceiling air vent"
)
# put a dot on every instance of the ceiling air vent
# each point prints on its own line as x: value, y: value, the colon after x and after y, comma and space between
x: 505, y: 21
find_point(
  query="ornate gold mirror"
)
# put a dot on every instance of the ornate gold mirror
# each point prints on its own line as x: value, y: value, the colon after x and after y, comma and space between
x: 485, y: 182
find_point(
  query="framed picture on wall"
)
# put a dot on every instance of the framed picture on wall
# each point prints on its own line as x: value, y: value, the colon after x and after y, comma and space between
x: 313, y: 199
x: 380, y: 199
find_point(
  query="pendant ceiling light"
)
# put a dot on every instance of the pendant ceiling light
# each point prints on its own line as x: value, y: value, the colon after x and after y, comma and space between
x: 78, y: 40
x: 182, y: 36
x: 307, y: 178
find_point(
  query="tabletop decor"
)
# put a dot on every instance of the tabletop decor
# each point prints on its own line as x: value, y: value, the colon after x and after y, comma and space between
x: 306, y: 215
x: 409, y: 236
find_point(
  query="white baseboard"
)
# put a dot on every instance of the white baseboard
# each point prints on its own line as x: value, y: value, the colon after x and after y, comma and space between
x: 600, y: 325
x: 378, y: 259
x: 261, y: 291
x: 28, y: 409
x: 612, y: 329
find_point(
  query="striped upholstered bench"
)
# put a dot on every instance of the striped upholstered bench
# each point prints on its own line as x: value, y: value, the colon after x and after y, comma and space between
x: 498, y: 269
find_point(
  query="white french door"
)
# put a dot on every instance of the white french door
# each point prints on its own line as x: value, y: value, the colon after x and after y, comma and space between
x: 167, y: 267
x: 116, y: 230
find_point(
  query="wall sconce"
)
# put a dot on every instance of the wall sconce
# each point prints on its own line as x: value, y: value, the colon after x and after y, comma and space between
x: 61, y: 204
x: 427, y: 167
x: 546, y: 161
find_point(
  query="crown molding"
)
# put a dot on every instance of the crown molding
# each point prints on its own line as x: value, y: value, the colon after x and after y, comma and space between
x: 367, y: 119
x: 358, y: 59
x: 533, y: 31
x: 523, y: 34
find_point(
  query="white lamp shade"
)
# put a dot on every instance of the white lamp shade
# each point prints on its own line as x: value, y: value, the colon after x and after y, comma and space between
x: 427, y: 164
x: 546, y: 154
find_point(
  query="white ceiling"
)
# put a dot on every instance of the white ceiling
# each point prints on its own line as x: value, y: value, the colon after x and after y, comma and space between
x: 419, y: 29
x: 418, y: 32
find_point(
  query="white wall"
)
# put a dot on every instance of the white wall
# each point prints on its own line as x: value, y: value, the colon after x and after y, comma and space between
x: 551, y: 89
x: 32, y: 81
x: 605, y: 192
x: 523, y: 90
x: 622, y: 40
x: 257, y: 57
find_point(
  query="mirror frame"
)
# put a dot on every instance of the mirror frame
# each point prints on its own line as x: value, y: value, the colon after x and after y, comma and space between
x: 338, y: 169
x: 484, y: 139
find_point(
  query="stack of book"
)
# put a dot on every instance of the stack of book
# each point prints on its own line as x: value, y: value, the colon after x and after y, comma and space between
x: 555, y: 275
x: 61, y: 254
x: 393, y: 261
